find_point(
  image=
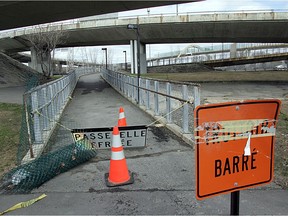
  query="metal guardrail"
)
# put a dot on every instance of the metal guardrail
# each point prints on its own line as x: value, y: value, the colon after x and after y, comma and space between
x: 162, y: 99
x: 44, y: 105
x: 220, y: 56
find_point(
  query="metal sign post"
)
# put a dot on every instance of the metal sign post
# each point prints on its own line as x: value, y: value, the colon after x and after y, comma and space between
x: 235, y: 203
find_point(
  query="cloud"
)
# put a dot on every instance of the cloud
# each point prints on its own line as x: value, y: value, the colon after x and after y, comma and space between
x: 224, y: 5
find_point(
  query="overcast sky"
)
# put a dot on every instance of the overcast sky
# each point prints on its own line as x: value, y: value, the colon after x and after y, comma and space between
x: 215, y: 5
x: 116, y: 52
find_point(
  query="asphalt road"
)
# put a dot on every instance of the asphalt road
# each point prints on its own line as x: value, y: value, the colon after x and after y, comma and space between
x: 164, y: 170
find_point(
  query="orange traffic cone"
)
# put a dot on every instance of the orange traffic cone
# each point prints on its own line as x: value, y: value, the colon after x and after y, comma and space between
x: 118, y: 172
x: 122, y: 119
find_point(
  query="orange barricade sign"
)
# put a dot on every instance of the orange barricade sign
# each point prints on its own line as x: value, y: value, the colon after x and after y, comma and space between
x: 234, y: 145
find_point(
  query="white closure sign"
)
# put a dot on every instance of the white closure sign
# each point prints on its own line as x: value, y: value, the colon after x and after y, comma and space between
x: 101, y: 138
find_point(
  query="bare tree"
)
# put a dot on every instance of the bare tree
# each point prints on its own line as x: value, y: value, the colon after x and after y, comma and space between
x: 44, y: 40
x: 84, y: 56
x: 93, y: 54
x: 70, y: 59
x: 89, y: 56
x: 110, y: 58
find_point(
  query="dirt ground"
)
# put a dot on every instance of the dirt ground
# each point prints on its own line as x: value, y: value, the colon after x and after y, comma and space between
x: 281, y: 147
x: 224, y: 86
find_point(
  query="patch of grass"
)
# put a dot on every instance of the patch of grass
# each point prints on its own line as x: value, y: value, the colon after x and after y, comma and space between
x: 50, y: 79
x: 281, y: 147
x: 222, y: 76
x: 10, y: 123
x: 54, y: 77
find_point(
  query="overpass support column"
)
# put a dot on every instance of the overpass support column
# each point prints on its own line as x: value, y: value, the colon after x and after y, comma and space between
x: 60, y: 68
x: 233, y: 50
x: 286, y: 62
x: 35, y: 60
x: 143, y: 61
x: 133, y: 52
x: 41, y: 62
x: 57, y: 67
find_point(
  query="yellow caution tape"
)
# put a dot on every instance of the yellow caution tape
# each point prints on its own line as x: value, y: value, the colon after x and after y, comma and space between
x: 24, y: 204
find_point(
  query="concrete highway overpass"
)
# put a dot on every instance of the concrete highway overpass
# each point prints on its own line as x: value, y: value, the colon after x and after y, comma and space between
x: 262, y: 27
x: 249, y: 27
x: 24, y: 13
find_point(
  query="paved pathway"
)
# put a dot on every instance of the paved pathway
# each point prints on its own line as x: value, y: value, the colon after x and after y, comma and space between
x: 164, y: 170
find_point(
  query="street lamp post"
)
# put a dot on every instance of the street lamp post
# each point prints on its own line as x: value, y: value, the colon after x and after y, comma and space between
x: 125, y: 56
x: 106, y: 65
x: 135, y: 26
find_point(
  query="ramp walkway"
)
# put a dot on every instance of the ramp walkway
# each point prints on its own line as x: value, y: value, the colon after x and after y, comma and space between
x: 95, y: 104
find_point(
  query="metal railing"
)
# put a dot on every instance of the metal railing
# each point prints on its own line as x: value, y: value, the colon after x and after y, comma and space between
x: 137, y: 16
x: 172, y: 101
x: 44, y: 105
x: 221, y: 55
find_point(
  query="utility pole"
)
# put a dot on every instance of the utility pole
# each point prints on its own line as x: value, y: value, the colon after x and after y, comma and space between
x: 125, y: 56
x: 106, y: 65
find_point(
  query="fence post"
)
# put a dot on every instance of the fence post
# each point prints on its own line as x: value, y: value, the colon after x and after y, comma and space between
x: 45, y: 109
x: 65, y: 89
x: 132, y: 87
x: 58, y: 99
x: 140, y: 92
x: 118, y: 82
x: 128, y: 86
x: 147, y: 94
x: 185, y: 119
x: 135, y: 88
x: 123, y: 83
x: 36, y: 125
x: 62, y: 92
x: 168, y: 103
x: 115, y: 80
x: 156, y: 98
x: 196, y: 96
x: 51, y: 108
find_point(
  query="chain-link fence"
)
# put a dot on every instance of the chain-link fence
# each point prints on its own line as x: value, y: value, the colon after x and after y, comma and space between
x: 169, y: 102
x: 42, y: 109
x: 43, y: 106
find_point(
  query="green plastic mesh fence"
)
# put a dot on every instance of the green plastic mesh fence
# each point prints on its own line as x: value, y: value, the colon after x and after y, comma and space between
x: 31, y: 175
